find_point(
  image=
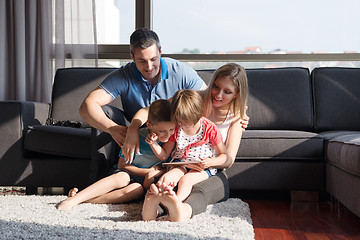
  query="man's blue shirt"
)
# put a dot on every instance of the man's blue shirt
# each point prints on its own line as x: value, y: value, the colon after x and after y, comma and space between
x: 136, y: 93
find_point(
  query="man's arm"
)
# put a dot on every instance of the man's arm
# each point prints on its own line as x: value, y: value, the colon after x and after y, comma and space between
x: 91, y: 111
x: 131, y: 141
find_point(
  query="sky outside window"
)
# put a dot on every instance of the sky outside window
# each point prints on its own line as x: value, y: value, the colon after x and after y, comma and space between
x: 269, y: 26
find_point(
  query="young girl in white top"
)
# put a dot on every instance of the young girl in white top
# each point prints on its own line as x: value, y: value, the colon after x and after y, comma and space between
x: 197, y: 140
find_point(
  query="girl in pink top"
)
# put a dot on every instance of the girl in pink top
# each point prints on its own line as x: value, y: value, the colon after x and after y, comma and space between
x: 196, y: 147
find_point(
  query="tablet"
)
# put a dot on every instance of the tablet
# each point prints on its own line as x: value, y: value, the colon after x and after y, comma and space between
x: 178, y: 163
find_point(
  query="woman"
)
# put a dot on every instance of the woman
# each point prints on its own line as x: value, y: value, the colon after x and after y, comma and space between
x: 225, y: 105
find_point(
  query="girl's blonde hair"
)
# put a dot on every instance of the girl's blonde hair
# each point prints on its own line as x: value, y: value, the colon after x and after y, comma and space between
x: 186, y: 107
x: 237, y: 74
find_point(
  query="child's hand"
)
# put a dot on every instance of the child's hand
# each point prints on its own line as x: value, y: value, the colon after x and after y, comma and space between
x: 205, y: 163
x: 151, y: 138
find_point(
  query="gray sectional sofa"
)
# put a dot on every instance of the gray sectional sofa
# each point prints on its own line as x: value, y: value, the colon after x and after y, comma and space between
x: 304, y: 134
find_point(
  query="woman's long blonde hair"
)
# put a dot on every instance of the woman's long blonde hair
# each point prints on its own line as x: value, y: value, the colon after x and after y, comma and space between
x: 237, y: 74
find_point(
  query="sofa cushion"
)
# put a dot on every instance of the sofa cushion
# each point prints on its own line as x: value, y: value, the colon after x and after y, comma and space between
x: 336, y: 98
x: 57, y: 140
x: 280, y: 99
x: 280, y: 145
x: 344, y: 153
x: 328, y: 135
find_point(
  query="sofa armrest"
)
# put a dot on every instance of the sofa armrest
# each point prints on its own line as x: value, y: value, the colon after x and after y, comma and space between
x: 15, y: 117
x: 34, y: 113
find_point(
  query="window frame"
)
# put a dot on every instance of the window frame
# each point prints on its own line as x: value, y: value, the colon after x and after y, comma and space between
x: 143, y: 18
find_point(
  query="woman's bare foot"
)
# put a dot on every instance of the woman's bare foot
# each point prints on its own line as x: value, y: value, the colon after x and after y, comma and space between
x: 178, y: 211
x: 73, y: 192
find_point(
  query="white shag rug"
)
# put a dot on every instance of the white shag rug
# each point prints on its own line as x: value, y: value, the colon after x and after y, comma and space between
x: 35, y: 217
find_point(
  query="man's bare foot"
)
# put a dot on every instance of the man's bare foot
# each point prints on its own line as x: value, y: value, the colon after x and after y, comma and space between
x: 73, y: 192
x: 178, y: 211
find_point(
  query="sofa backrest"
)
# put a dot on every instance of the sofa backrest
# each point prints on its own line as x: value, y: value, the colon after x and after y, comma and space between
x: 71, y: 86
x: 336, y: 98
x: 280, y: 99
x: 206, y: 75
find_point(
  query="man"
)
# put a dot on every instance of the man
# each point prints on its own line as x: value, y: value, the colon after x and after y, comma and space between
x: 148, y: 78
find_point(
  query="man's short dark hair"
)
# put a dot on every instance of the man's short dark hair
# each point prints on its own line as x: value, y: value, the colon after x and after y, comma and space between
x: 143, y: 38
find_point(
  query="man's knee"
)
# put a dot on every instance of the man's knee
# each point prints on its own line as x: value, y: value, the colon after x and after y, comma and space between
x: 116, y: 114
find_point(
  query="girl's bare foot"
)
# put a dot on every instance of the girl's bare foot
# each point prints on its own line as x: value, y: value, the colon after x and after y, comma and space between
x: 73, y: 192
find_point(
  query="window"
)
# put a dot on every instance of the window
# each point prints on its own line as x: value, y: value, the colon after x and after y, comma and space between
x: 115, y: 21
x: 254, y: 33
x: 257, y: 26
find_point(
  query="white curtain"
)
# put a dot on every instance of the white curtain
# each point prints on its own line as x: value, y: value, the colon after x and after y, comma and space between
x: 75, y: 42
x: 39, y: 36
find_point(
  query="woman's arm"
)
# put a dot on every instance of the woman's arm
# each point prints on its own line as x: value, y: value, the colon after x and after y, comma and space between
x: 212, y: 161
x: 233, y: 142
x: 219, y: 160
